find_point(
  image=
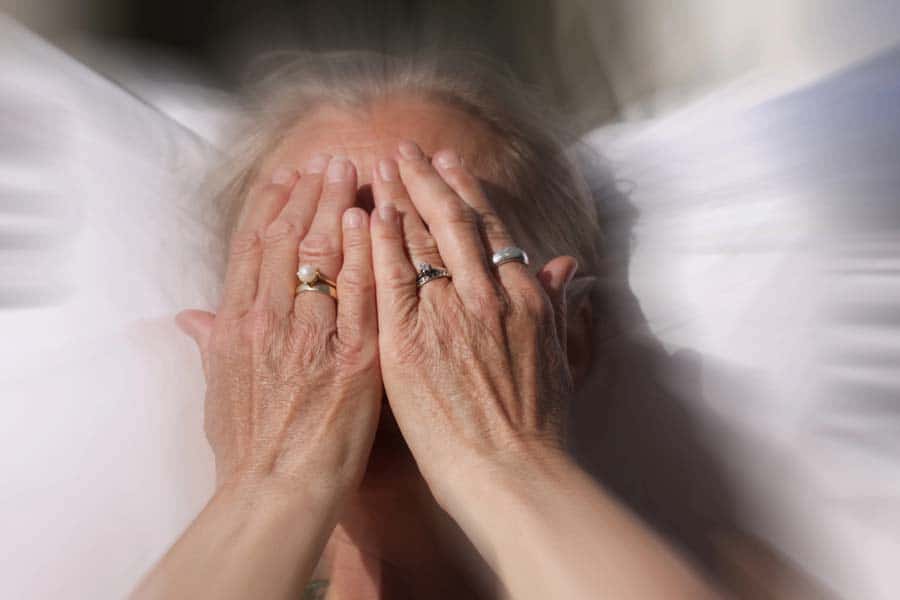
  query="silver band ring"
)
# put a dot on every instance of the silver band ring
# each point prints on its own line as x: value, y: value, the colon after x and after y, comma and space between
x: 311, y: 280
x: 509, y: 254
x: 427, y: 273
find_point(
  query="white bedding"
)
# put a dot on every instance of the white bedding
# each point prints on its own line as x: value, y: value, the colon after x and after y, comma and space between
x: 765, y: 242
x: 103, y: 458
x: 769, y: 241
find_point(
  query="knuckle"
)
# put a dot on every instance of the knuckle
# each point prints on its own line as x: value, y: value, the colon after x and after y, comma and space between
x: 455, y: 212
x: 356, y: 246
x: 257, y: 325
x: 389, y: 234
x: 493, y: 226
x: 396, y: 276
x: 319, y: 245
x: 490, y: 305
x: 420, y: 168
x: 309, y: 339
x: 408, y: 351
x: 460, y: 179
x: 279, y: 231
x: 356, y: 277
x: 304, y: 330
x: 271, y: 189
x: 421, y: 243
x: 356, y: 354
x: 268, y: 192
x: 244, y: 244
x: 336, y: 193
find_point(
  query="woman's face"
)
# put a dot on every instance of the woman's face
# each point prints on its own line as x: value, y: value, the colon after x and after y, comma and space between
x: 365, y: 136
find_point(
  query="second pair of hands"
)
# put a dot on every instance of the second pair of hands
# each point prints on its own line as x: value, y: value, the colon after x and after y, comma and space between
x: 473, y: 367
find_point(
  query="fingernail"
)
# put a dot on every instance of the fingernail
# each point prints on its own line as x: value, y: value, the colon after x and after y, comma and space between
x: 338, y: 169
x: 283, y: 175
x: 387, y: 170
x: 447, y: 159
x: 352, y: 218
x: 387, y: 213
x: 317, y: 164
x: 409, y: 151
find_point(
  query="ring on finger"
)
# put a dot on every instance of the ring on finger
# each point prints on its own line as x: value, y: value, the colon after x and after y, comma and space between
x: 509, y: 254
x: 311, y: 280
x: 426, y: 273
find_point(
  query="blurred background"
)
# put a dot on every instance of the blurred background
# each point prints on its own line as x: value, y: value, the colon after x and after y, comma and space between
x: 595, y: 60
x: 758, y: 141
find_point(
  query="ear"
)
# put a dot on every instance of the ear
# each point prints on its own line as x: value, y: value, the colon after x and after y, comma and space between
x: 573, y: 309
x: 580, y: 328
x: 554, y: 277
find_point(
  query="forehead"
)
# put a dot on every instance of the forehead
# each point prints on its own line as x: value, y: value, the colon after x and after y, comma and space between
x: 366, y: 135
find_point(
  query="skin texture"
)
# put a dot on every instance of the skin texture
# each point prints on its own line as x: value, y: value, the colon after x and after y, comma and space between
x: 293, y: 391
x: 393, y: 534
x: 468, y: 472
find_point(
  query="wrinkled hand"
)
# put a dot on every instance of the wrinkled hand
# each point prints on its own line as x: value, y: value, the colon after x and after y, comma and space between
x: 293, y: 384
x: 473, y: 367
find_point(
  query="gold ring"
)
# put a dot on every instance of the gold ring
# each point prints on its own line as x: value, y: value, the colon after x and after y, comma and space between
x: 321, y: 287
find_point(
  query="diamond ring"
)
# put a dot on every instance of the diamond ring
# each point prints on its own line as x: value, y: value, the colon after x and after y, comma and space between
x: 427, y: 273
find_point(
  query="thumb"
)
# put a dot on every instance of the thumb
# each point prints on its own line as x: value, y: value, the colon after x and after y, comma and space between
x: 198, y: 325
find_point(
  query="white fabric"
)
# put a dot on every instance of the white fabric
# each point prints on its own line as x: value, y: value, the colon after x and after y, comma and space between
x: 101, y: 445
x: 768, y: 241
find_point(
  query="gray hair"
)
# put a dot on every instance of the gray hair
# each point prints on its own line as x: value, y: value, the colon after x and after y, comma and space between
x: 548, y: 206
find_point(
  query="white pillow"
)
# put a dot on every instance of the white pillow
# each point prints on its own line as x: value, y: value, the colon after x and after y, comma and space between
x: 102, y: 239
x: 767, y: 241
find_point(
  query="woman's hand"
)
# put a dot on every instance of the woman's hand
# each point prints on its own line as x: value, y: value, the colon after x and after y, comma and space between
x: 293, y: 384
x: 293, y: 392
x: 476, y: 376
x: 473, y: 367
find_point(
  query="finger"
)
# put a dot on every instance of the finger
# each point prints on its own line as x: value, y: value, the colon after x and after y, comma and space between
x: 321, y: 246
x: 356, y: 314
x: 245, y: 255
x: 420, y: 245
x: 451, y: 221
x: 395, y: 278
x: 493, y: 230
x: 197, y: 324
x: 277, y: 278
x: 388, y: 187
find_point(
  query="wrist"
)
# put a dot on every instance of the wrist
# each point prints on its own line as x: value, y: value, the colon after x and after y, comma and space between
x: 271, y: 492
x: 482, y: 477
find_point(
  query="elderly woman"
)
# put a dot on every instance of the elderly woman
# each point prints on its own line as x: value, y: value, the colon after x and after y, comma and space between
x: 393, y: 424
